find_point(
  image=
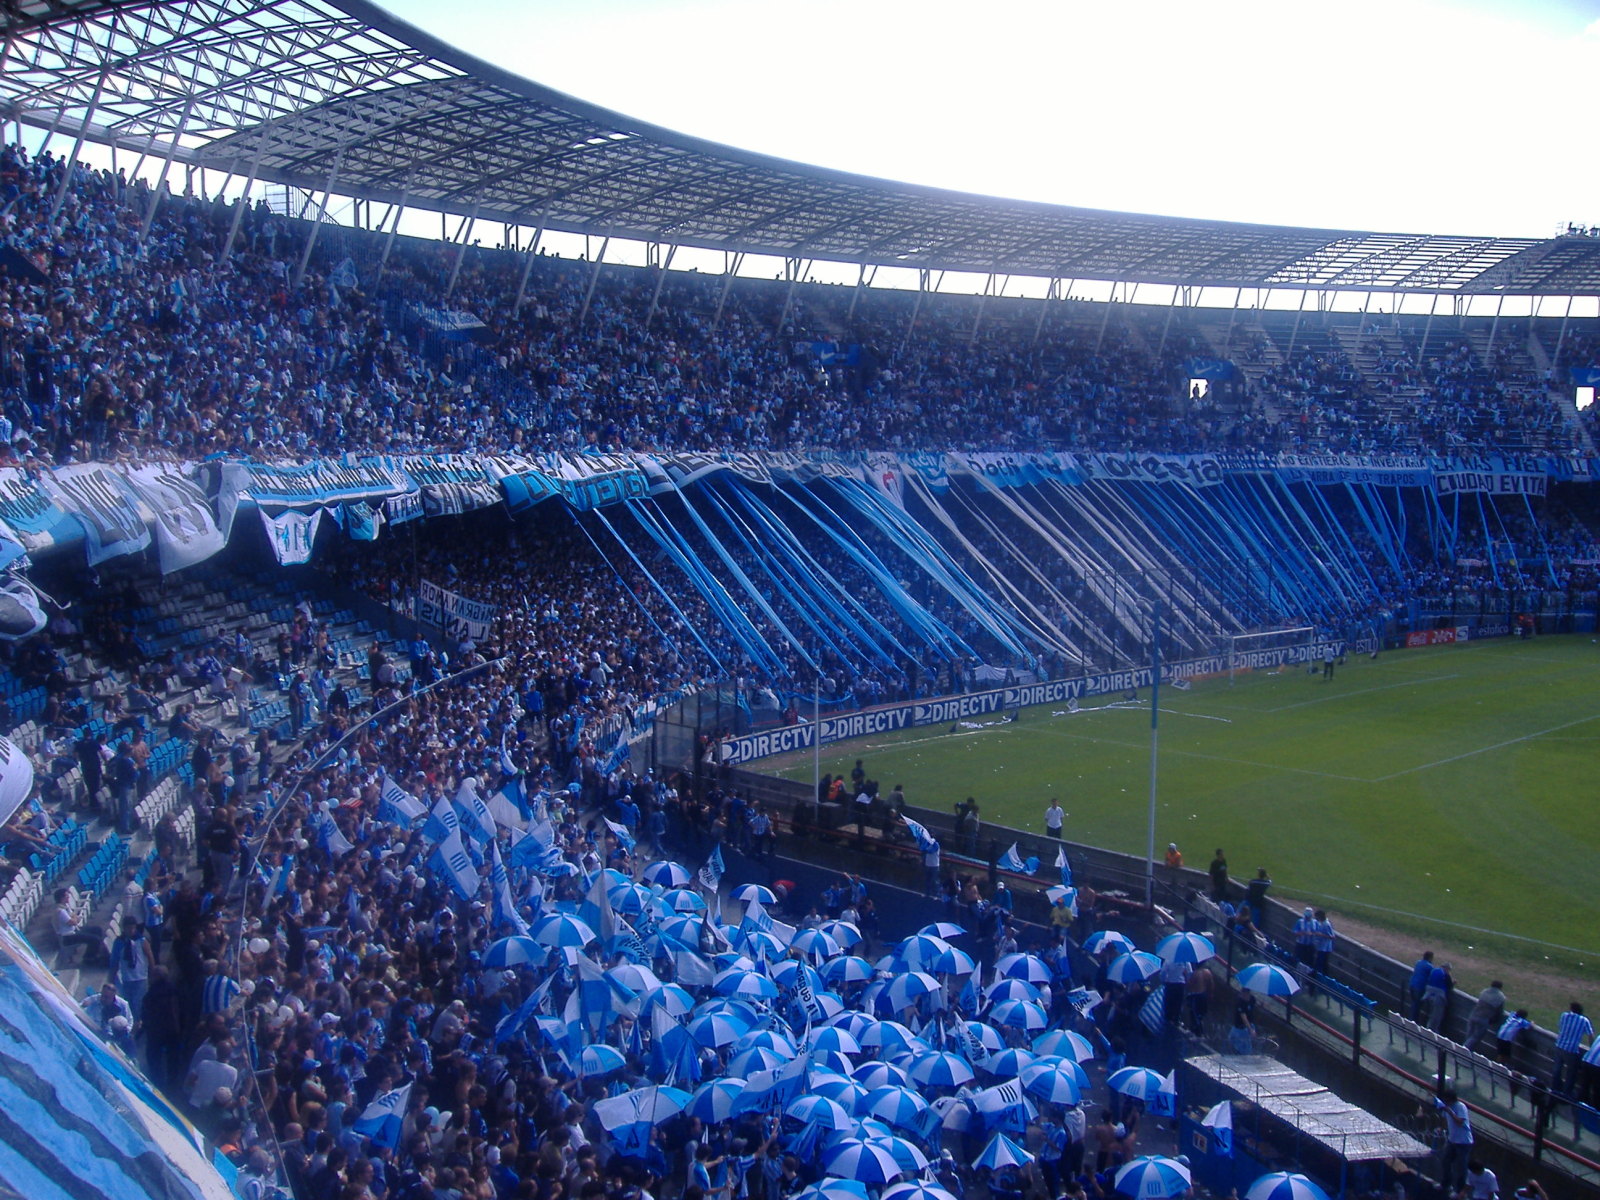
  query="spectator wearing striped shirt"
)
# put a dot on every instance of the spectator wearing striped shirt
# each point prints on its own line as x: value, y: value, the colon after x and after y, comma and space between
x: 1572, y: 1034
x: 217, y: 990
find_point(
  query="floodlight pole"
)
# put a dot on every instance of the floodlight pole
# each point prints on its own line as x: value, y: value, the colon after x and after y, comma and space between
x: 1155, y: 728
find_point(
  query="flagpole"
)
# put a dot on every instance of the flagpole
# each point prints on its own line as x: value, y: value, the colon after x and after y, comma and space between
x: 1155, y: 733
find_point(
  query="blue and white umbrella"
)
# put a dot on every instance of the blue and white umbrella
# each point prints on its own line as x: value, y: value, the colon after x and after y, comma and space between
x: 600, y: 1059
x: 1139, y: 1083
x: 667, y: 874
x: 1267, y: 980
x: 916, y: 1190
x: 833, y: 1189
x: 1097, y: 942
x: 1284, y: 1185
x: 838, y: 1088
x: 1002, y: 1152
x: 1066, y: 1043
x: 560, y: 869
x: 843, y: 932
x: 847, y: 968
x: 762, y: 944
x: 1029, y: 967
x: 672, y: 997
x: 867, y: 1161
x: 920, y: 951
x: 713, y: 1100
x: 561, y: 930
x: 819, y: 1111
x: 716, y: 1030
x: 941, y: 1069
x: 683, y: 900
x: 954, y: 961
x: 630, y: 898
x: 1019, y: 1014
x: 815, y: 944
x: 942, y: 929
x: 515, y: 951
x: 897, y: 1105
x: 1056, y: 1084
x: 1133, y: 967
x: 888, y: 1036
x: 909, y: 1157
x: 747, y: 892
x: 636, y: 978
x: 833, y: 1060
x: 682, y: 931
x: 854, y: 1023
x: 757, y: 1058
x: 775, y: 1040
x: 1008, y: 1062
x: 831, y: 1037
x: 876, y: 1075
x: 1013, y: 989
x: 1057, y: 1063
x: 829, y: 1006
x: 746, y: 984
x: 728, y: 960
x: 905, y: 990
x: 1185, y: 948
x: 986, y: 1036
x: 1154, y: 1177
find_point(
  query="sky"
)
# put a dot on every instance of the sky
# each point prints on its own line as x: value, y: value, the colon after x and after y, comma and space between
x: 1468, y: 117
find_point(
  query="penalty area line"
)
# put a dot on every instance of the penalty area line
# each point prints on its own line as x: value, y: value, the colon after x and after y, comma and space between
x: 1527, y: 737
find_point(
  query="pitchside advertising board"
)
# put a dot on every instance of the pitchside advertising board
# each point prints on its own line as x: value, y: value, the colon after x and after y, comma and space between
x: 1459, y: 633
x: 740, y: 750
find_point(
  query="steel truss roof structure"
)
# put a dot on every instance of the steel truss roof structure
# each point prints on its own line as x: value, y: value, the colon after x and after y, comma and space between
x: 337, y: 95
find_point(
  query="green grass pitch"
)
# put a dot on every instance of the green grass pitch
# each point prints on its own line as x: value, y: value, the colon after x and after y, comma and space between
x: 1458, y: 783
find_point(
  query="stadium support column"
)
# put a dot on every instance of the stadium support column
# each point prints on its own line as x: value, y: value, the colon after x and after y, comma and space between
x: 1494, y: 328
x: 793, y: 269
x: 1561, y: 339
x: 166, y: 167
x: 462, y: 234
x: 249, y: 185
x: 731, y: 262
x: 924, y: 279
x: 594, y: 278
x: 1155, y: 727
x: 864, y: 278
x: 1053, y: 292
x: 1227, y: 338
x: 83, y: 127
x: 662, y: 267
x: 394, y: 211
x: 316, y: 222
x: 527, y: 267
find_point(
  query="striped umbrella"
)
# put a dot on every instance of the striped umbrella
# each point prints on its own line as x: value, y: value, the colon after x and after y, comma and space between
x: 1019, y: 1014
x: 905, y: 990
x: 682, y: 931
x: 600, y: 1059
x: 897, y: 1105
x: 916, y: 1190
x: 1141, y: 1083
x: 667, y: 874
x: 819, y: 1111
x: 833, y: 1189
x: 909, y: 1158
x: 670, y: 996
x: 514, y: 951
x: 757, y: 1058
x: 986, y: 1036
x: 1009, y: 1062
x: 833, y: 1060
x: 1267, y: 980
x: 941, y: 1069
x: 1024, y: 966
x: 775, y: 1040
x: 683, y: 900
x: 1056, y: 1084
x: 920, y: 951
x: 717, y: 1030
x: 746, y: 984
x: 815, y: 945
x: 954, y: 961
x: 1002, y: 1152
x: 839, y: 1088
x: 887, y: 1036
x: 1013, y: 989
x: 855, y: 1024
x: 713, y: 1101
x: 1134, y: 967
x: 747, y: 892
x: 1154, y: 1177
x: 1066, y: 1043
x: 881, y: 1074
x: 1057, y: 1063
x: 630, y: 898
x: 867, y: 1161
x: 635, y: 978
x: 761, y: 944
x: 831, y: 1037
x: 942, y: 929
x: 1284, y: 1185
x: 843, y: 932
x: 1185, y: 948
x: 562, y: 930
x: 1097, y: 942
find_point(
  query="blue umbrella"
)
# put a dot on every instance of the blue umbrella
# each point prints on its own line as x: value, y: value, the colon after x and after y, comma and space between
x: 1185, y: 948
x: 1097, y: 942
x: 683, y: 900
x: 1141, y: 1083
x: 1019, y: 1014
x: 762, y: 944
x: 920, y: 951
x: 667, y: 874
x: 815, y: 944
x: 1002, y: 1152
x: 1013, y: 989
x: 848, y: 968
x: 635, y: 978
x: 713, y: 1101
x: 1268, y: 980
x: 819, y: 1111
x: 786, y: 974
x: 855, y: 1024
x: 1065, y: 1043
x: 514, y: 952
x: 986, y: 1036
x: 1056, y: 1084
x: 775, y: 1040
x: 747, y: 892
x: 909, y: 1158
x: 1134, y: 967
x: 916, y: 1189
x: 1029, y: 967
x: 897, y: 1105
x: 670, y: 996
x: 941, y: 1069
x: 747, y: 984
x: 600, y: 1059
x: 839, y: 1088
x: 843, y: 932
x: 1058, y: 1063
x: 562, y: 930
x: 880, y: 1075
x: 629, y: 898
x: 833, y: 1189
x: 866, y: 1161
x: 1009, y: 1062
x: 757, y: 1058
x: 1284, y: 1185
x: 888, y: 1035
x: 681, y: 931
x: 942, y: 929
x: 833, y: 1060
x: 954, y: 961
x: 1153, y: 1177
x: 905, y: 990
x: 717, y: 1030
x: 559, y: 870
x: 831, y: 1037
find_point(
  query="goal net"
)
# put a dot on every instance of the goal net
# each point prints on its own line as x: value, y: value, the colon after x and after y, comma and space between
x: 1269, y: 649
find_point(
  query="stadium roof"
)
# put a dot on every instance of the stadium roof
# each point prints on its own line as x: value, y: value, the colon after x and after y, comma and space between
x: 317, y: 92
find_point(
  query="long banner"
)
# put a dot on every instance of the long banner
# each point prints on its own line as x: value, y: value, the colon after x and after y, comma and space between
x: 948, y: 709
x: 457, y: 615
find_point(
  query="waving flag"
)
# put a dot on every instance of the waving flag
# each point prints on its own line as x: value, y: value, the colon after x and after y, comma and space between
x: 925, y: 840
x: 514, y: 1022
x: 711, y: 873
x: 606, y: 923
x: 398, y: 807
x: 477, y: 822
x: 451, y: 863
x: 1063, y: 866
x: 1220, y: 1121
x: 441, y: 822
x: 381, y: 1120
x: 505, y: 907
x: 1012, y: 861
x: 332, y: 840
x: 623, y: 836
x: 509, y: 805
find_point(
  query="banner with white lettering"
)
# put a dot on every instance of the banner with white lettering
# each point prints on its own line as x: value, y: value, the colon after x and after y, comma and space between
x: 452, y: 483
x: 115, y: 521
x: 185, y: 528
x: 1494, y: 483
x: 458, y: 616
x: 292, y: 534
x: 31, y: 513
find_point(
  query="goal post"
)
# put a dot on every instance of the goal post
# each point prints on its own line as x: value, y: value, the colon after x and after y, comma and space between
x: 1268, y: 648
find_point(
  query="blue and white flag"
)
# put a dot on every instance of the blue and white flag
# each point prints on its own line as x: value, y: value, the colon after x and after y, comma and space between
x: 397, y: 806
x: 285, y: 875
x: 925, y: 840
x: 1165, y: 1102
x: 711, y: 872
x: 631, y: 944
x: 623, y: 836
x: 441, y: 822
x: 1063, y: 866
x: 451, y: 863
x: 477, y: 822
x: 514, y: 1022
x: 1012, y: 861
x: 509, y: 805
x: 381, y: 1120
x: 1220, y: 1121
x: 331, y: 839
x: 505, y: 907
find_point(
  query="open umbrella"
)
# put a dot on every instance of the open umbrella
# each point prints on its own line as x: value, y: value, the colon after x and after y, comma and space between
x: 682, y: 930
x: 1133, y: 967
x: 600, y: 1059
x: 1284, y: 1185
x: 881, y: 1074
x: 887, y: 1036
x: 1267, y: 980
x: 866, y: 1161
x: 1097, y: 942
x: 775, y: 1040
x: 635, y: 977
x: 682, y: 900
x: 675, y: 999
x: 630, y: 898
x: 819, y: 1111
x: 909, y: 1157
x: 666, y: 873
x: 1153, y: 1177
x: 833, y: 1189
x: 954, y: 961
x: 1185, y: 948
x: 1019, y: 1014
x: 717, y: 1030
x: 815, y: 944
x: 1024, y: 966
x: 855, y: 1024
x: 747, y: 892
x: 561, y: 930
x: 1056, y: 1084
x: 905, y: 990
x: 1013, y: 989
x: 831, y: 1037
x: 713, y: 1101
x: 1066, y: 1043
x: 757, y: 1058
x: 986, y: 1036
x: 833, y: 1060
x: 761, y: 944
x: 1141, y: 1083
x: 942, y: 929
x: 843, y: 932
x: 941, y: 1069
x: 915, y: 1189
x: 839, y: 1088
x: 746, y: 984
x: 1001, y: 1152
x: 514, y: 951
x: 1009, y: 1062
x: 919, y: 950
x: 897, y: 1105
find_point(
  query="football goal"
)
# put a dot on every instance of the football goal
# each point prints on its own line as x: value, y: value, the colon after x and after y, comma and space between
x: 1267, y: 649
